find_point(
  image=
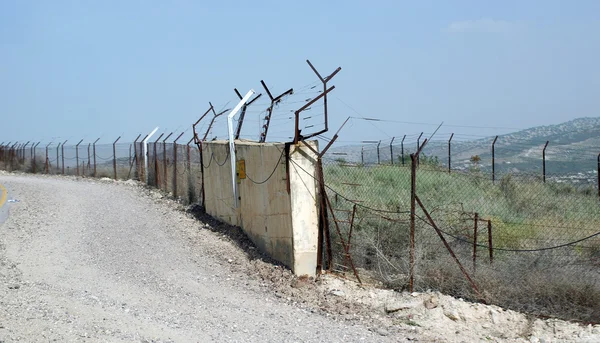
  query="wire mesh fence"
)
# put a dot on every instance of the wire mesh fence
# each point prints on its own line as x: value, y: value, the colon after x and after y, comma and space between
x: 526, y: 240
x: 173, y: 168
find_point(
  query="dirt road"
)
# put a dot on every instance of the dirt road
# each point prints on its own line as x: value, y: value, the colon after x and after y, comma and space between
x: 93, y: 261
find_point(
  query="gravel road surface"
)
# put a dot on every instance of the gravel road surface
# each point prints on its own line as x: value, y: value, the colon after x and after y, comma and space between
x: 99, y: 261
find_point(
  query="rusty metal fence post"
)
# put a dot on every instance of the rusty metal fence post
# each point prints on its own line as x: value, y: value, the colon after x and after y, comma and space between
x: 494, y: 160
x: 413, y: 207
x: 136, y: 157
x: 544, y: 161
x: 62, y: 152
x: 418, y: 145
x: 34, y: 162
x: 490, y: 246
x: 115, y: 156
x: 165, y: 182
x: 475, y: 222
x: 598, y: 174
x: 402, y: 148
x: 450, y: 153
x: 47, y: 160
x: 392, y: 151
x: 362, y: 155
x: 94, y: 151
x: 378, y: 157
x: 156, y: 161
x: 58, y: 157
x: 175, y: 165
x: 77, y: 155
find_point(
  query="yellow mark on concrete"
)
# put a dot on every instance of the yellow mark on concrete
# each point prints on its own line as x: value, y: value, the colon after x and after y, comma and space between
x: 3, y: 196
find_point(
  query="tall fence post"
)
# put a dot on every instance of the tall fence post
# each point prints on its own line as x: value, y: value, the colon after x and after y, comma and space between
x: 77, y: 155
x: 450, y: 153
x: 598, y: 174
x: 115, y: 156
x: 490, y: 246
x: 58, y: 157
x: 544, y: 161
x: 47, y: 167
x: 392, y: 151
x: 21, y: 153
x: 165, y: 182
x: 33, y: 159
x: 175, y: 165
x: 136, y: 157
x: 476, y: 221
x: 378, y: 157
x: 89, y: 157
x: 189, y: 169
x: 362, y: 155
x: 94, y: 151
x: 156, y: 161
x: 238, y: 129
x: 402, y: 148
x: 494, y: 160
x: 413, y: 207
x: 419, y: 145
x: 63, y: 156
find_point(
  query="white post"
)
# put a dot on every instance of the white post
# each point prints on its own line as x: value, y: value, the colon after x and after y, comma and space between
x: 146, y: 152
x: 233, y: 112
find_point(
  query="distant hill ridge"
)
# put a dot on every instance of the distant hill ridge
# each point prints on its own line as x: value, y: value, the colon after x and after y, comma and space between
x: 573, y: 146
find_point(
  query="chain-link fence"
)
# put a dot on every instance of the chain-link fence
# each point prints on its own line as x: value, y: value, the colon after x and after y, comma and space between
x: 529, y: 241
x: 173, y: 168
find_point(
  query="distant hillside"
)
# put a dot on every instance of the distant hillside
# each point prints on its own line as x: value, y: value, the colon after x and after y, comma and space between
x: 573, y: 148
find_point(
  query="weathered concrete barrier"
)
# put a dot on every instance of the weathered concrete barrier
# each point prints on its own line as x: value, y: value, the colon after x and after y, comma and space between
x: 277, y: 204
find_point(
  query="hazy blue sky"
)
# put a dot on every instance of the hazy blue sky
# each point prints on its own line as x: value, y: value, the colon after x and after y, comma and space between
x: 83, y: 69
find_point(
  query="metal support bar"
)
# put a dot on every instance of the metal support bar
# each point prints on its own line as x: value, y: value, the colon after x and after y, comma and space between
x: 213, y: 120
x: 265, y: 128
x: 196, y: 139
x: 378, y: 156
x: 437, y: 230
x: 238, y: 129
x: 236, y: 109
x: 145, y: 152
x: 297, y: 135
x: 324, y: 81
